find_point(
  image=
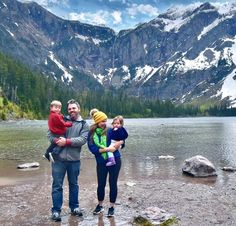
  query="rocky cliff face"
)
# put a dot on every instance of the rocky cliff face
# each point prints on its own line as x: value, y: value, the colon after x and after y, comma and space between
x: 183, y: 55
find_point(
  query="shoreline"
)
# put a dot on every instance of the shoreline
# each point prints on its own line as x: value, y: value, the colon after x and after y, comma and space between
x: 192, y: 203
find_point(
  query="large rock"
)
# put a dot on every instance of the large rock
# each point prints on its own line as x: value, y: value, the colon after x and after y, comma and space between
x: 199, y: 166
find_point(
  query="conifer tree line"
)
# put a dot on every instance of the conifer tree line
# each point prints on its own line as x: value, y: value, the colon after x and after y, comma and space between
x: 26, y: 94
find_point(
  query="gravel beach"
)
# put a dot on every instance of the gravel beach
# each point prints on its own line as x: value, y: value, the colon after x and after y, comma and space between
x: 193, y: 201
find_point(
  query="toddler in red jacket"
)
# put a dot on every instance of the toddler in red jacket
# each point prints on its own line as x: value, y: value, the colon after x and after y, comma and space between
x: 57, y: 125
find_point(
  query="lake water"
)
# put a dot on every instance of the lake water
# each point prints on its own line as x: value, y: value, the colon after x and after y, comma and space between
x: 212, y: 137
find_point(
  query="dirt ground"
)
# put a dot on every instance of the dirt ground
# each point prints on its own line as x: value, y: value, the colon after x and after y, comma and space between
x: 193, y: 201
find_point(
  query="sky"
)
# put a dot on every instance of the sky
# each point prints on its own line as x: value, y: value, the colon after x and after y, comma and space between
x: 116, y: 14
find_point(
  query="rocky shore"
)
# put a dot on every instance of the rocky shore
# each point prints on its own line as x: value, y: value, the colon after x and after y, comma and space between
x: 192, y: 201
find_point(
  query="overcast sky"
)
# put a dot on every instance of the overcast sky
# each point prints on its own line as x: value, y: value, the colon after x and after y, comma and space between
x: 116, y: 14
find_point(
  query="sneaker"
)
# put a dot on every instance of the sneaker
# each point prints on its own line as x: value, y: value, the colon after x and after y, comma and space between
x: 98, y: 210
x: 77, y: 212
x: 51, y: 157
x: 56, y: 216
x: 110, y: 212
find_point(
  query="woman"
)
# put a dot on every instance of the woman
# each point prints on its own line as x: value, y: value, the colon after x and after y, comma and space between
x: 98, y: 143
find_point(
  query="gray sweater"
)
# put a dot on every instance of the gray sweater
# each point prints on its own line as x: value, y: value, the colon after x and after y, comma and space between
x: 76, y: 136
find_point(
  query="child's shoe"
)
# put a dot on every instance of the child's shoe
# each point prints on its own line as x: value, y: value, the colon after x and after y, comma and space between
x: 46, y: 156
x: 51, y: 157
x: 111, y: 161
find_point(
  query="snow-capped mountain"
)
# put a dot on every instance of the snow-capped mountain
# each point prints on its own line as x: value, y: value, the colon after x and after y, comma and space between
x: 186, y: 54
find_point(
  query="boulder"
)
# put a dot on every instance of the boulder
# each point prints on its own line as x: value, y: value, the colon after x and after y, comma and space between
x: 199, y: 166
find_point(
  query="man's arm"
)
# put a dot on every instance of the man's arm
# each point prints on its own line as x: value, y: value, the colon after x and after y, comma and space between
x: 77, y: 141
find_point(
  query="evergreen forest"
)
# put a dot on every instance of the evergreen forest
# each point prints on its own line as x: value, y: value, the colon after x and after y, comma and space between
x: 27, y: 94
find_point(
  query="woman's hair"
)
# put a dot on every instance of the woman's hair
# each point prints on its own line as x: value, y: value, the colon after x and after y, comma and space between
x: 119, y: 118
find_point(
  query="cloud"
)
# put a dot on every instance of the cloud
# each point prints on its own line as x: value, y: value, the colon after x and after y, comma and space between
x: 117, y: 17
x: 148, y: 10
x: 98, y: 18
x: 49, y: 3
x: 122, y: 1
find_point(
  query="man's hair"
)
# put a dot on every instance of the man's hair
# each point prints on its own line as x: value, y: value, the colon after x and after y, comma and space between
x: 72, y: 101
x: 55, y: 103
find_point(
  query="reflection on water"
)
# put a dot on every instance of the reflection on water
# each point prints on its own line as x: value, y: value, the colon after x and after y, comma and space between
x: 214, y: 138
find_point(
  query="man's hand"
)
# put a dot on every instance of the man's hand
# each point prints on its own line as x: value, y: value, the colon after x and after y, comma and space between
x: 61, y: 141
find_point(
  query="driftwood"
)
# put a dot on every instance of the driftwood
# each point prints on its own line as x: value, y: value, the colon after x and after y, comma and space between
x: 28, y: 165
x: 229, y: 168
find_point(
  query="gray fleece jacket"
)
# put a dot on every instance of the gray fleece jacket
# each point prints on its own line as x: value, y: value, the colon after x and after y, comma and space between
x: 76, y: 137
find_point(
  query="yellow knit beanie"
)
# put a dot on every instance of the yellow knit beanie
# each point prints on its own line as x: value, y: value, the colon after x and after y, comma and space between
x: 99, y: 116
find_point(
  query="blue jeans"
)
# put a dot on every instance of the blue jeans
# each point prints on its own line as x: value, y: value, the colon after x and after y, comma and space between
x: 59, y: 169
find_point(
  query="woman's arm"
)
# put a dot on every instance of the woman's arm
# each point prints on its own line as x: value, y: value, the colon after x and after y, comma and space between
x: 108, y: 149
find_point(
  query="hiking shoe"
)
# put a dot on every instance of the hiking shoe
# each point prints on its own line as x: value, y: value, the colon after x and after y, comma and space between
x: 56, y: 216
x: 99, y: 209
x: 110, y: 212
x: 51, y: 157
x: 77, y: 212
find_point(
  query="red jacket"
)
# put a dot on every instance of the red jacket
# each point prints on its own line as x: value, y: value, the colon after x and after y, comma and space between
x: 56, y: 123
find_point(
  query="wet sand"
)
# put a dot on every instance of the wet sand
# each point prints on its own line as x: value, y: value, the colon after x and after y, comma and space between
x: 26, y: 199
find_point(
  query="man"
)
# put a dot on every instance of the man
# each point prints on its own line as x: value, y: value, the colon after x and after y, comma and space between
x: 68, y: 161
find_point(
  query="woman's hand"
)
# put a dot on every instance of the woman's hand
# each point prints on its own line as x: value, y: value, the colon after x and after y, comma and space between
x: 108, y: 149
x: 111, y: 148
x: 117, y: 144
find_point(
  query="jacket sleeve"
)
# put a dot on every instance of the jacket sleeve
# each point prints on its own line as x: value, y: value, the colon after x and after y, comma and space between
x: 123, y: 133
x: 51, y: 136
x: 81, y: 139
x: 93, y: 148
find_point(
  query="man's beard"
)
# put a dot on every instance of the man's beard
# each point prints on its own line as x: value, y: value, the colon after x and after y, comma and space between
x: 74, y: 115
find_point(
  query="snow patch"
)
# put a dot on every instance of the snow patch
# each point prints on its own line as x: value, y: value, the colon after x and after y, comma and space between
x: 66, y: 74
x: 213, y: 25
x: 225, y: 8
x: 10, y: 32
x: 99, y: 78
x: 144, y: 73
x: 177, y: 16
x: 126, y: 70
x: 145, y: 48
x: 199, y: 63
x: 228, y: 88
x: 86, y: 38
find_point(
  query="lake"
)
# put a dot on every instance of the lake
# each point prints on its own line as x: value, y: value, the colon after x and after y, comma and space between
x: 212, y: 137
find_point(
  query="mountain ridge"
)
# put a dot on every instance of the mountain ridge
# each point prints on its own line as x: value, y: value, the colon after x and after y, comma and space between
x: 183, y: 55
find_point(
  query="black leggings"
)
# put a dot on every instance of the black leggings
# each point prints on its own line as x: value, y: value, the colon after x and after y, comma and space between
x: 102, y: 171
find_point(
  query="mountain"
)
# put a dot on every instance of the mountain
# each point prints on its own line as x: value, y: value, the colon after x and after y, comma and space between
x: 185, y: 55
